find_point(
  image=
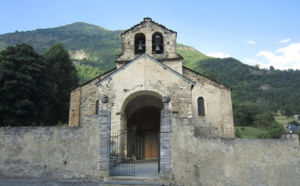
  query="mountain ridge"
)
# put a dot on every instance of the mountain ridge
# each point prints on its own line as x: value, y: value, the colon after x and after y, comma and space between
x: 94, y: 49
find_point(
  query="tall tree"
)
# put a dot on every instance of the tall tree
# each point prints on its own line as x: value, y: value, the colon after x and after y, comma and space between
x: 63, y: 79
x: 23, y: 82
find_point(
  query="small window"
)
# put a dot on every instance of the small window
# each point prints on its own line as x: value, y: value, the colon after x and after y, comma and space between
x: 139, y: 43
x: 201, y: 107
x: 97, y: 107
x: 157, y: 43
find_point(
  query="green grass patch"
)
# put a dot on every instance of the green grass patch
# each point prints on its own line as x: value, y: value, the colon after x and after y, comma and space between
x: 283, y: 119
x: 250, y: 132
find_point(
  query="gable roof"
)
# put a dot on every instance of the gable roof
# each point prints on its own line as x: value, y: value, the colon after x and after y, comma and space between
x: 155, y: 61
x: 206, y: 77
x: 147, y: 19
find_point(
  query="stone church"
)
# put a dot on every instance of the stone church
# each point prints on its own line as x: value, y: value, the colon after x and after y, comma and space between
x: 147, y: 89
x: 150, y: 121
x: 148, y: 70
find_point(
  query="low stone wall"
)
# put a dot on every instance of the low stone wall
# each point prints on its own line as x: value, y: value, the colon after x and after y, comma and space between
x: 218, y: 161
x: 51, y: 152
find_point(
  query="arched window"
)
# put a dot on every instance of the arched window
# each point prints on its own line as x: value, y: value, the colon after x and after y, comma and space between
x: 201, y: 107
x: 139, y: 43
x: 157, y: 43
x: 97, y: 107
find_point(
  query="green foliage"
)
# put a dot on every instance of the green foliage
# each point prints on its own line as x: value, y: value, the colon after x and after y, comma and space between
x: 294, y: 122
x: 264, y: 119
x: 191, y: 55
x: 238, y: 133
x: 86, y: 73
x: 63, y: 79
x: 250, y: 132
x: 23, y: 85
x: 273, y: 89
x: 274, y: 131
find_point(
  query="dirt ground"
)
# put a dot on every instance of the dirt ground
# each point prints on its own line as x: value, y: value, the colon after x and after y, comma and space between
x: 44, y: 182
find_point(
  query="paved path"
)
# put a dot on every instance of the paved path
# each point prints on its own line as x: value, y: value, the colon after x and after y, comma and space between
x: 147, y: 169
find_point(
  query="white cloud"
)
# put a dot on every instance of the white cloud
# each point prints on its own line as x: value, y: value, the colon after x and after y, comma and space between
x: 250, y: 61
x: 284, y: 41
x: 218, y: 55
x: 251, y: 42
x: 284, y: 58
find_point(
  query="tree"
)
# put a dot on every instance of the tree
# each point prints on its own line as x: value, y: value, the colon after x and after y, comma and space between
x: 23, y: 81
x: 63, y: 79
x: 275, y: 130
x: 263, y: 120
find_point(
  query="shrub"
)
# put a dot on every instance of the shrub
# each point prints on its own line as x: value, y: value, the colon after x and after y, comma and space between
x: 238, y: 133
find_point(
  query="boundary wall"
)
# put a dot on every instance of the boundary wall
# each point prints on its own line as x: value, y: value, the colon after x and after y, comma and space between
x: 51, y: 152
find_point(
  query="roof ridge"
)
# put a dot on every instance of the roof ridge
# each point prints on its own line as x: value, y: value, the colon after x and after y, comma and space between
x: 147, y: 19
x: 154, y: 60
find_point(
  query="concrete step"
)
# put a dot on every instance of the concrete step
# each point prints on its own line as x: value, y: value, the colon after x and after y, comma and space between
x: 137, y: 181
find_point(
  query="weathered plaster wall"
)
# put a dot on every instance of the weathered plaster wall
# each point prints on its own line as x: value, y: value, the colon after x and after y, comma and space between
x: 144, y: 75
x: 83, y: 101
x: 218, y: 119
x: 220, y: 161
x: 51, y: 152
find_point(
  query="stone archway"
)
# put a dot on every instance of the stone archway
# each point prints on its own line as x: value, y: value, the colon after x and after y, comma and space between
x: 143, y: 122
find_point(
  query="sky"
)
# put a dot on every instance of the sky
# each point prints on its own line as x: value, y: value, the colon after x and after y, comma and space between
x: 256, y: 32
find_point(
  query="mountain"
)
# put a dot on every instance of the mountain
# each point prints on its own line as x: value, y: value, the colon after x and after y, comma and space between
x: 94, y: 49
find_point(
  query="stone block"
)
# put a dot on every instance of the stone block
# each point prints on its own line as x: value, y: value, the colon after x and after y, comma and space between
x: 103, y: 143
x: 104, y: 157
x: 104, y: 113
x: 103, y: 150
x: 103, y: 165
x: 165, y: 135
x: 165, y: 168
x: 103, y: 120
x: 165, y: 158
x: 165, y: 128
x: 165, y: 143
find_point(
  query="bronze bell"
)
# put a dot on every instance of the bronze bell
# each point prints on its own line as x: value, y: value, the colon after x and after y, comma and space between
x: 140, y: 46
x: 157, y: 41
x: 157, y: 48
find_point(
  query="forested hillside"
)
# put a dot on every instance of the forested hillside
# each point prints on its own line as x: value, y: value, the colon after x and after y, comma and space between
x: 93, y: 50
x: 274, y: 89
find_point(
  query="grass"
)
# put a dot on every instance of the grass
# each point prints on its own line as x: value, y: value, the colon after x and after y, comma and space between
x: 283, y: 119
x: 250, y: 132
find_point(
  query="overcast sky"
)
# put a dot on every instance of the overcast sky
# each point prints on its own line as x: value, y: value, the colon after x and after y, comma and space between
x: 264, y: 32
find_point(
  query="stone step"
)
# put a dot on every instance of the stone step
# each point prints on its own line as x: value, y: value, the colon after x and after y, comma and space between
x: 137, y: 181
x: 123, y: 183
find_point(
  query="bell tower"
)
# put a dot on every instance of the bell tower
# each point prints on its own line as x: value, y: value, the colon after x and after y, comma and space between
x: 152, y: 39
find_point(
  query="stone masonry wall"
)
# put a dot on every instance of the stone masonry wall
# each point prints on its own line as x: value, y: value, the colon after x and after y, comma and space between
x: 218, y: 119
x: 220, y: 161
x: 83, y: 101
x: 51, y: 152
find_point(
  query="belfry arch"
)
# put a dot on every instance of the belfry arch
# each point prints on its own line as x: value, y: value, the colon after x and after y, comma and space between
x: 142, y: 118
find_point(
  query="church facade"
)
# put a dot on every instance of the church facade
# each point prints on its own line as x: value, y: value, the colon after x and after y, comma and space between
x: 146, y: 71
x: 147, y: 91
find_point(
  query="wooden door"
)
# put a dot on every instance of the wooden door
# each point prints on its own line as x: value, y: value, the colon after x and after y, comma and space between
x: 150, y: 144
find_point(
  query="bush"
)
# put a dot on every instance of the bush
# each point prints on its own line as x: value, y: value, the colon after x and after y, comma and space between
x: 238, y: 133
x: 274, y: 131
x: 294, y: 122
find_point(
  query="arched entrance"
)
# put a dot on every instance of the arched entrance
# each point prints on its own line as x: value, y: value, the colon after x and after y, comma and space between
x: 143, y: 122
